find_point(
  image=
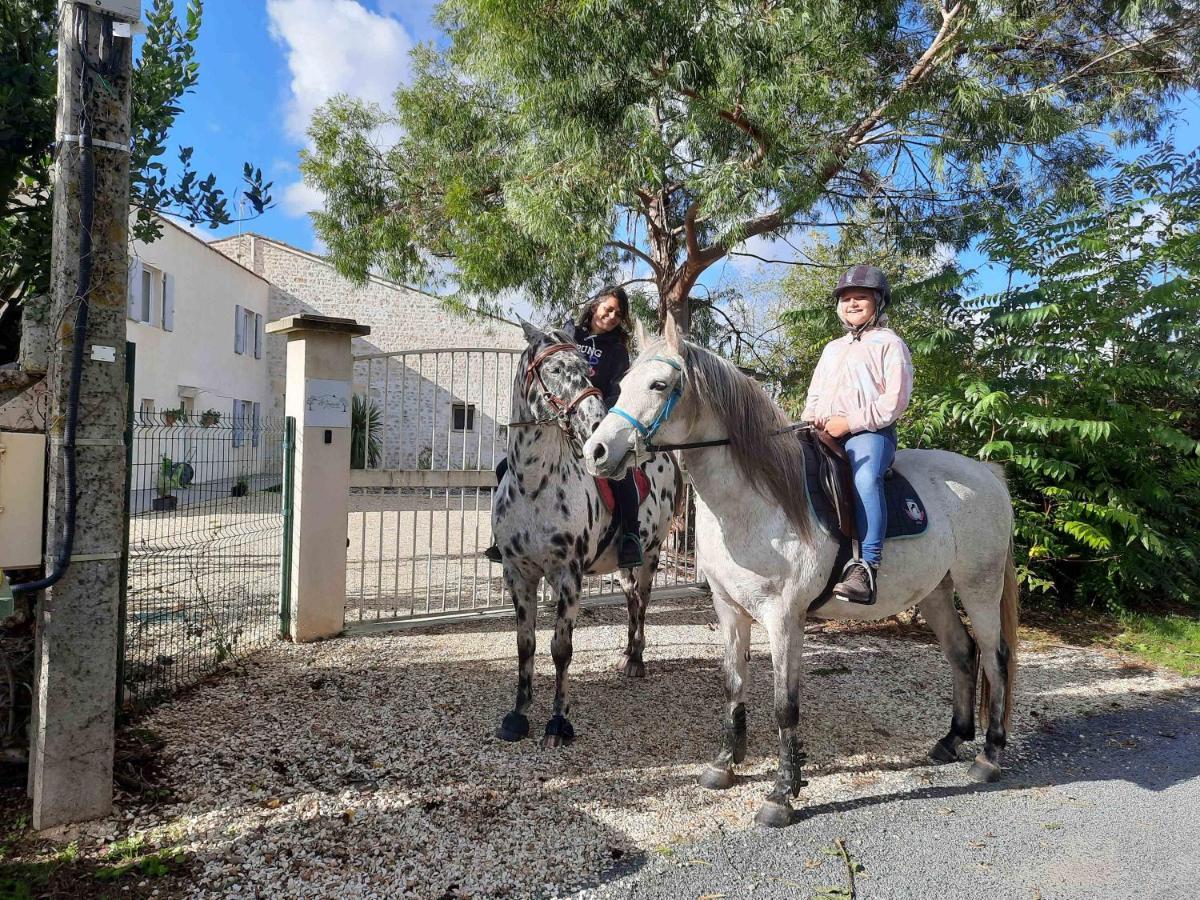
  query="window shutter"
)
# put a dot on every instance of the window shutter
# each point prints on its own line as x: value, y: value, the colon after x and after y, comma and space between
x: 168, y: 304
x: 238, y: 413
x: 132, y: 302
x: 255, y: 420
x: 258, y: 337
x: 239, y: 330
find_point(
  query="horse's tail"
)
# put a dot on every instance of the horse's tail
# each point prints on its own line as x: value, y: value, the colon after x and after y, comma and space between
x: 1009, y: 615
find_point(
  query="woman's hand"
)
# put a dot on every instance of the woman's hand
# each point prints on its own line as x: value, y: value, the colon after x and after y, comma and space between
x: 837, y: 426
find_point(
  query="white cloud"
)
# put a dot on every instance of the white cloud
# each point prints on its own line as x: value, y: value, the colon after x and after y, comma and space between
x: 335, y: 47
x: 298, y: 199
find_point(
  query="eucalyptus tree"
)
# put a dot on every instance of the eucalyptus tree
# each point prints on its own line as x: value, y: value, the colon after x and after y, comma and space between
x: 548, y: 146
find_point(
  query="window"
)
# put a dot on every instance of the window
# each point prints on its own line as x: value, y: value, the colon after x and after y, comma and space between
x: 247, y: 332
x: 146, y: 410
x: 146, y: 297
x: 247, y: 416
x: 464, y: 416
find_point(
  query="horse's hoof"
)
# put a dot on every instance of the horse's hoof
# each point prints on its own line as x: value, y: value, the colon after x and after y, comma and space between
x: 773, y: 814
x: 558, y: 732
x: 514, y: 727
x: 984, y: 771
x: 941, y: 753
x: 631, y: 668
x: 716, y: 779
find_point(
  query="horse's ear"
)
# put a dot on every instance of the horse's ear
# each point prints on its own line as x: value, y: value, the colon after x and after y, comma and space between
x: 533, y: 334
x: 639, y: 334
x: 671, y: 333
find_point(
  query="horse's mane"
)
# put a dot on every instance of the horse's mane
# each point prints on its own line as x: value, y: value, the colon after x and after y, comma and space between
x: 774, y: 465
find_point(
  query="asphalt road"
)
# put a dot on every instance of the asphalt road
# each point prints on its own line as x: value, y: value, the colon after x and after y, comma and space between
x: 1102, y: 807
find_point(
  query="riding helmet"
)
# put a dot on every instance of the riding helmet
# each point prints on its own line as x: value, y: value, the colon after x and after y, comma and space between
x: 870, y: 277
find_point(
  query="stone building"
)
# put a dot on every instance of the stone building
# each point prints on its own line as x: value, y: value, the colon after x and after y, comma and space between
x: 441, y: 379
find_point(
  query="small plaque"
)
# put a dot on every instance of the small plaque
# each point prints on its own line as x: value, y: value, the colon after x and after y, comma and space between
x: 100, y: 353
x: 326, y: 403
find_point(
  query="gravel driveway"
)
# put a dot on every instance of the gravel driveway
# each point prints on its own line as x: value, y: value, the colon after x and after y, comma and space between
x: 367, y: 767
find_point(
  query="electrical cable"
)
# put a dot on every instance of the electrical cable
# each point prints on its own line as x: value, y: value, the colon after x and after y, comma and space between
x: 87, y: 204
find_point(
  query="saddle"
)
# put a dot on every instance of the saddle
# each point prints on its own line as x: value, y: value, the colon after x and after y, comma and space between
x: 831, y: 490
x: 610, y: 500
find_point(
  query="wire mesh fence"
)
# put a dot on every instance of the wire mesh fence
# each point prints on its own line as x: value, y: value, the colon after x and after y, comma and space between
x: 206, y: 530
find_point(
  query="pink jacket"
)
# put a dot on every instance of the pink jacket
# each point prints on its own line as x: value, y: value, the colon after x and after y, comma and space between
x: 869, y: 381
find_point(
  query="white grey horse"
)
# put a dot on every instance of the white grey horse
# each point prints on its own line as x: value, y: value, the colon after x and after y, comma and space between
x: 549, y: 521
x: 765, y: 560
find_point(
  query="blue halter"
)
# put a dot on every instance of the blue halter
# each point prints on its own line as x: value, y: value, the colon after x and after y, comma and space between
x: 648, y: 431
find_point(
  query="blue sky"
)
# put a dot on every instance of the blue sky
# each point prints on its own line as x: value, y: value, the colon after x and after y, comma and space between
x: 265, y: 65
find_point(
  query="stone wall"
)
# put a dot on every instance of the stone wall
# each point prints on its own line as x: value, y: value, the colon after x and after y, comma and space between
x: 417, y: 390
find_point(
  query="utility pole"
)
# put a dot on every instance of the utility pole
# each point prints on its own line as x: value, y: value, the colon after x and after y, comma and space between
x: 71, y: 754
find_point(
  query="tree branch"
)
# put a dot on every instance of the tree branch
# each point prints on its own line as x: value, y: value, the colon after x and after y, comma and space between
x: 640, y: 254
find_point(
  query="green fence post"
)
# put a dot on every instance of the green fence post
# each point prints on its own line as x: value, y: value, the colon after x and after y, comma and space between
x: 288, y: 492
x: 122, y: 603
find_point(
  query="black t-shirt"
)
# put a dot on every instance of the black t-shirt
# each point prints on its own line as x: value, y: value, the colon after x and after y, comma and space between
x: 608, y: 360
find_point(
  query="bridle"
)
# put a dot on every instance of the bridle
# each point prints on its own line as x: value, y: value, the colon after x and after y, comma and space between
x: 646, y: 432
x: 562, y: 408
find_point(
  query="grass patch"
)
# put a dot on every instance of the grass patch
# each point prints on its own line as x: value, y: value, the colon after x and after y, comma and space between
x: 1172, y: 641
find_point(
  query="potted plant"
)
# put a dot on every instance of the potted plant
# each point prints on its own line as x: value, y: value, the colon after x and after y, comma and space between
x: 209, y: 418
x: 166, y: 483
x: 241, y: 485
x: 173, y: 416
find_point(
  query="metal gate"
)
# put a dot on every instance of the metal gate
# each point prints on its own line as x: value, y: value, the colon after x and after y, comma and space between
x: 207, y: 520
x: 431, y: 426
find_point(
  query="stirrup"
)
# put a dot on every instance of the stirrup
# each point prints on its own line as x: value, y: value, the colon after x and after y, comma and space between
x: 628, y: 537
x: 870, y: 570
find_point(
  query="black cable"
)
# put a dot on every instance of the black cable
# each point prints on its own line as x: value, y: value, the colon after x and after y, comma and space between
x: 87, y: 198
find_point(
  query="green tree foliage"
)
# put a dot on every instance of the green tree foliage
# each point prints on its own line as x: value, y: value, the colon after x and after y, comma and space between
x: 164, y: 71
x: 548, y: 145
x: 1083, y: 379
x: 366, y: 433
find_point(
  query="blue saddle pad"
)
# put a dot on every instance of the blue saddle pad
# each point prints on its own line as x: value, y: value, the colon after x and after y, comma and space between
x: 906, y: 512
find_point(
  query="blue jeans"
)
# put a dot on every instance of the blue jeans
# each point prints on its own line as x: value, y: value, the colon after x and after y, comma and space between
x: 871, y: 453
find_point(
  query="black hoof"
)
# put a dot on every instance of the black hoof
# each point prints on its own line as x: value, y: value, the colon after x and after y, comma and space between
x: 716, y: 779
x: 943, y: 753
x: 558, y: 732
x: 984, y: 771
x: 774, y: 814
x: 631, y: 668
x: 514, y: 727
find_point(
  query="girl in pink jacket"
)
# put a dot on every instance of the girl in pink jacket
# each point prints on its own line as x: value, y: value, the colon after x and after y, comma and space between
x: 861, y: 386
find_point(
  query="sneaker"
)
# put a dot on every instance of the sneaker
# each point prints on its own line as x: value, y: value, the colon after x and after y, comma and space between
x: 630, y: 554
x: 857, y: 584
x: 493, y: 553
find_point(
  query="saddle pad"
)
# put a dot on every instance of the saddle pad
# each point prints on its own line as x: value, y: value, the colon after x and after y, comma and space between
x: 906, y: 512
x: 606, y: 491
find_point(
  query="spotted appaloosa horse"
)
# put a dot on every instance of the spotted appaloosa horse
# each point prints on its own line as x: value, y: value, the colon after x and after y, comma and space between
x: 549, y: 521
x: 766, y: 560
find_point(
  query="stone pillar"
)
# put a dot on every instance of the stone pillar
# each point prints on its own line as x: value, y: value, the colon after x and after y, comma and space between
x: 71, y: 748
x: 320, y: 375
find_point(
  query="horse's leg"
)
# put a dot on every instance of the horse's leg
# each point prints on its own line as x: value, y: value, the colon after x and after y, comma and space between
x: 786, y: 632
x: 938, y: 610
x: 558, y: 729
x: 735, y: 628
x: 524, y: 595
x: 983, y: 606
x: 637, y: 597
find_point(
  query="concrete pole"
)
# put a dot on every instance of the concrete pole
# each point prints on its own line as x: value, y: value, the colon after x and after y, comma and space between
x: 320, y: 373
x: 71, y: 753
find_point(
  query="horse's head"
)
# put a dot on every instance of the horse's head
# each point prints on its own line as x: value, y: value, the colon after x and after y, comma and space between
x: 648, y: 411
x: 554, y: 385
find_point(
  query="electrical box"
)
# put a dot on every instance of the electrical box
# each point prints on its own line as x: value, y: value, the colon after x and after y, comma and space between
x: 22, y: 492
x: 124, y: 10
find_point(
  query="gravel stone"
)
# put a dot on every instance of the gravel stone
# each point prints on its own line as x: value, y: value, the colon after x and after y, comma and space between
x: 368, y: 767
